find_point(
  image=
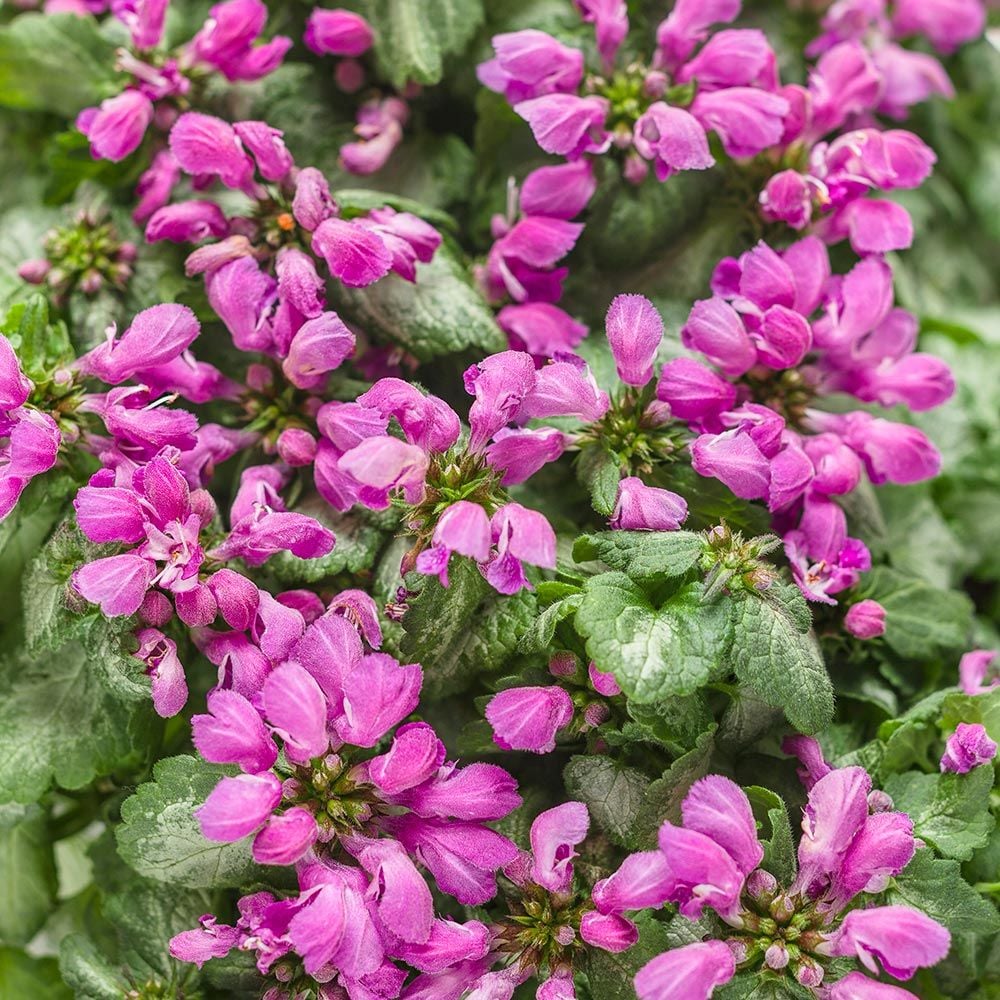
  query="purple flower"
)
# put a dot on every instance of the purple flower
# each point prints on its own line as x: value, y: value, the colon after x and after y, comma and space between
x: 673, y: 139
x: 337, y: 33
x: 693, y: 391
x: 519, y: 454
x: 610, y: 21
x: 967, y: 747
x: 379, y: 130
x: 226, y: 41
x: 540, y: 329
x: 865, y: 620
x: 531, y: 64
x: 558, y: 192
x: 687, y: 26
x: 688, y: 973
x: 567, y: 125
x: 947, y: 24
x: 634, y: 330
x: 155, y: 337
x: 354, y: 254
x: 264, y: 143
x: 900, y: 938
x: 974, y: 669
x: 528, y: 718
x: 647, y: 508
x: 116, y: 128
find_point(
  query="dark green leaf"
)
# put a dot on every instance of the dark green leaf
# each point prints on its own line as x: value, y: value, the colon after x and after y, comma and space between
x: 24, y: 976
x: 664, y: 796
x: 950, y: 811
x: 643, y: 555
x: 777, y: 658
x: 600, y: 472
x: 464, y: 630
x: 919, y: 619
x: 610, y: 975
x: 779, y: 847
x: 612, y: 792
x: 538, y: 636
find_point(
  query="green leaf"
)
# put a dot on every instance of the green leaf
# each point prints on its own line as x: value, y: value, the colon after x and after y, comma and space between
x: 936, y: 887
x: 762, y: 986
x: 24, y: 976
x: 412, y: 37
x: 949, y: 811
x: 610, y: 975
x: 463, y: 630
x: 442, y: 313
x: 779, y: 846
x: 612, y: 792
x: 60, y: 722
x: 675, y: 724
x: 653, y: 652
x: 920, y: 619
x: 89, y: 973
x: 643, y: 555
x: 775, y: 656
x: 160, y: 837
x: 55, y: 62
x: 664, y: 796
x: 27, y: 872
x: 600, y: 472
x: 539, y: 635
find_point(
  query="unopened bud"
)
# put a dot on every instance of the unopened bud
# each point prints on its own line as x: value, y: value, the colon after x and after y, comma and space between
x: 809, y: 973
x: 655, y: 84
x: 762, y: 886
x: 776, y: 957
x: 563, y: 664
x: 782, y: 909
x: 296, y: 446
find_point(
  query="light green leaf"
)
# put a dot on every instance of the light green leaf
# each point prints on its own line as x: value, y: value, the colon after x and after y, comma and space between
x: 539, y: 635
x: 653, y: 652
x: 775, y: 656
x: 90, y: 975
x: 643, y: 555
x: 160, y: 837
x: 762, y: 986
x: 60, y: 722
x: 27, y: 872
x: 55, y: 62
x: 412, y: 37
x: 442, y: 313
x: 24, y: 976
x: 949, y: 811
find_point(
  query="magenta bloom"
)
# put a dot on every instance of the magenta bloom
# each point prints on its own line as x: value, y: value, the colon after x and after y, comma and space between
x: 865, y: 620
x: 647, y: 508
x: 29, y: 439
x: 531, y: 64
x: 968, y: 747
x: 116, y: 128
x: 688, y: 973
x: 338, y: 33
x: 975, y: 668
x: 567, y: 125
x: 528, y: 718
x: 464, y: 528
x: 635, y: 331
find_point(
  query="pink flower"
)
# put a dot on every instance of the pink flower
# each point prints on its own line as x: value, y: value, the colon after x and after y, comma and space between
x: 116, y: 128
x: 355, y: 255
x: 688, y: 973
x: 865, y: 620
x: 968, y: 747
x: 379, y: 130
x: 463, y: 528
x: 974, y: 669
x: 647, y: 508
x: 520, y: 536
x: 531, y: 64
x: 901, y: 938
x: 528, y: 718
x: 337, y: 33
x: 946, y: 23
x: 226, y: 41
x: 554, y: 834
x: 673, y: 139
x: 567, y: 125
x: 634, y: 330
x: 203, y: 144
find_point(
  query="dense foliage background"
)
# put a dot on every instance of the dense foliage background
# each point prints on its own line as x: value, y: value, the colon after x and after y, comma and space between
x: 101, y: 859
